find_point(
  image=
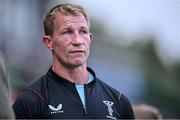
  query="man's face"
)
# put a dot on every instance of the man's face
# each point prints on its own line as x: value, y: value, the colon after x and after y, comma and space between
x: 71, y: 40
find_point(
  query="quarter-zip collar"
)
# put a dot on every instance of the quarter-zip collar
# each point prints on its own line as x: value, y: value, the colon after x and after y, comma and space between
x: 60, y: 79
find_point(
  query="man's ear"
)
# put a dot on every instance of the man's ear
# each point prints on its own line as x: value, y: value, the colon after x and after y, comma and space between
x: 47, y: 42
x: 91, y: 36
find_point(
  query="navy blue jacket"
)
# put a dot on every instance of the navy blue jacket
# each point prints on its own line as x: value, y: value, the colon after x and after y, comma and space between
x: 54, y: 97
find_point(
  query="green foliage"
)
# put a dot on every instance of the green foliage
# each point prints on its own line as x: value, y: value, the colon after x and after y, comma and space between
x: 163, y: 81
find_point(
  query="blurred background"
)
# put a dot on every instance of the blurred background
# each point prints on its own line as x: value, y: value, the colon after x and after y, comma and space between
x: 135, y: 47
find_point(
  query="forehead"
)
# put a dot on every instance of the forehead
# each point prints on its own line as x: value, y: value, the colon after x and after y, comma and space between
x: 62, y: 20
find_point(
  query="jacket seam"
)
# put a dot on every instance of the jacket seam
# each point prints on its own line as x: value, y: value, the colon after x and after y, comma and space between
x: 36, y: 93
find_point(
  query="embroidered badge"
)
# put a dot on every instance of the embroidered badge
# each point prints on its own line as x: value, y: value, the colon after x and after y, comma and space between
x: 109, y: 104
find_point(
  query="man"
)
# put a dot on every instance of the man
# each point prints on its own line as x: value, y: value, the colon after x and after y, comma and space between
x: 70, y: 89
x: 5, y: 109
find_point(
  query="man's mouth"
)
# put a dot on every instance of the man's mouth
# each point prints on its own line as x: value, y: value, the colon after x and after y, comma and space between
x: 77, y: 51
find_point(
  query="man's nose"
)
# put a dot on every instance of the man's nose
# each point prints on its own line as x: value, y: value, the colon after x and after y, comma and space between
x: 77, y: 39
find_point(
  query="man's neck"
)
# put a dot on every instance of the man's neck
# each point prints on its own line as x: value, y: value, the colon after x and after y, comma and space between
x: 78, y: 75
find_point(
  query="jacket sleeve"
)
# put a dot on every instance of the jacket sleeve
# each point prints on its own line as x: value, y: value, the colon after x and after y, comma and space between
x: 126, y: 107
x: 28, y: 106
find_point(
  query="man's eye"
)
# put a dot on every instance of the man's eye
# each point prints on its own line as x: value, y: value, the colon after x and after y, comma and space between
x: 83, y: 31
x: 66, y: 32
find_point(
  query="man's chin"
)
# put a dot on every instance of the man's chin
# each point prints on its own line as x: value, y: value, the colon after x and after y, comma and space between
x: 77, y: 64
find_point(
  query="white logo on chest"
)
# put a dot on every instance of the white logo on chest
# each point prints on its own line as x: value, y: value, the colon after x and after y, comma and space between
x: 56, y: 110
x: 110, y: 110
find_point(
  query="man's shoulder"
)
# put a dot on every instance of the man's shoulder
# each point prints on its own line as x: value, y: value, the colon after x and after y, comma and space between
x: 112, y: 90
x: 34, y: 91
x: 106, y: 86
x: 32, y: 97
x: 38, y: 83
x: 30, y: 101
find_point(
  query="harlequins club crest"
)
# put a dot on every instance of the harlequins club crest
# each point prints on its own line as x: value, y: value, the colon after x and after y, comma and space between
x: 109, y: 104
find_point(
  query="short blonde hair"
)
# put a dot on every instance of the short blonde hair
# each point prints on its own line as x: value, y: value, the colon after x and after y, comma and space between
x: 65, y: 9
